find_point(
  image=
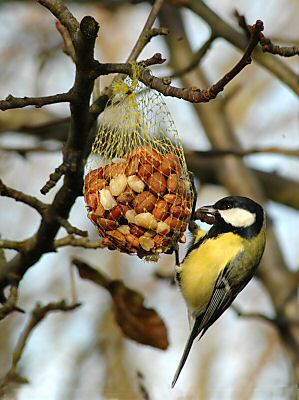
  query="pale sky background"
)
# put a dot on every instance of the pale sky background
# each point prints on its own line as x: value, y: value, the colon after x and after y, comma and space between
x: 234, y: 346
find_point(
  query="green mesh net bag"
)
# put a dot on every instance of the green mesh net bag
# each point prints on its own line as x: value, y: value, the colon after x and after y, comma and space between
x: 137, y: 188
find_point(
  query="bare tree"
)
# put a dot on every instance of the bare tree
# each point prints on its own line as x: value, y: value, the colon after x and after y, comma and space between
x: 223, y: 164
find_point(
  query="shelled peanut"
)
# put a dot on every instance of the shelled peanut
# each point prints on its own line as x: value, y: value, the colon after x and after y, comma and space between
x: 141, y: 204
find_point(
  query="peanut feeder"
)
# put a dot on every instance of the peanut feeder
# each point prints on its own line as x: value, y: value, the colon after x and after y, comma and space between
x: 137, y: 187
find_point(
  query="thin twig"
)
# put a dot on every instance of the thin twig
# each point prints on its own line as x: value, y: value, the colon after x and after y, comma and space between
x: 197, y: 58
x: 23, y: 151
x: 68, y: 47
x: 17, y: 195
x: 222, y: 29
x: 70, y: 240
x: 20, y: 102
x: 12, y: 244
x: 193, y: 94
x: 247, y: 152
x: 253, y: 315
x: 63, y: 15
x: 284, y: 51
x: 54, y: 178
x: 141, y: 41
x: 10, y: 304
x: 71, y: 230
x: 37, y: 315
x: 266, y: 44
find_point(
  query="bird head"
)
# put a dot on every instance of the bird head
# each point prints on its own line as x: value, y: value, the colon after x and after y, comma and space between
x: 235, y: 213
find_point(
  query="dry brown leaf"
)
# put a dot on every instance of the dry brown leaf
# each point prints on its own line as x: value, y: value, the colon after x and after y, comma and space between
x: 144, y: 325
x: 137, y: 322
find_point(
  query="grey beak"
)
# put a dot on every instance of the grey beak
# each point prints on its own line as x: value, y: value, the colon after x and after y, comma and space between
x: 206, y: 214
x: 208, y: 210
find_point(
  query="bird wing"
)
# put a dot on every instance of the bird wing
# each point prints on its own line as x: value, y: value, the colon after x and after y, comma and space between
x: 220, y: 300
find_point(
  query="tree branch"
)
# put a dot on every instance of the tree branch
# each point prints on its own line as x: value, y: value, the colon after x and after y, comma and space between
x: 65, y: 17
x: 31, y: 201
x: 86, y: 243
x: 9, y: 305
x: 266, y: 44
x: 12, y: 245
x: 72, y: 229
x: 20, y: 102
x: 277, y: 188
x: 37, y: 315
x: 54, y: 178
x: 247, y: 152
x: 145, y: 35
x: 191, y: 94
x: 221, y: 29
x: 43, y: 241
x: 197, y: 58
x: 68, y: 48
x: 284, y: 51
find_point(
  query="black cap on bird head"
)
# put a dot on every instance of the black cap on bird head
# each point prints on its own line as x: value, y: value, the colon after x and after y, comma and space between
x: 236, y: 213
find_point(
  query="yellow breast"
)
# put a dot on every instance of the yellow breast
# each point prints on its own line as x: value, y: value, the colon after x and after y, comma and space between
x: 204, y: 264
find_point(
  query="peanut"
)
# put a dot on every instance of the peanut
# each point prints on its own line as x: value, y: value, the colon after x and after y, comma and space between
x: 163, y: 228
x: 107, y: 224
x: 157, y: 183
x: 150, y: 234
x: 143, y: 202
x: 91, y: 200
x: 161, y: 209
x: 132, y: 167
x: 177, y: 211
x: 161, y: 241
x: 130, y: 216
x: 125, y: 197
x: 106, y: 199
x: 174, y: 223
x: 145, y: 171
x: 173, y: 183
x: 136, y: 183
x: 147, y: 155
x: 146, y: 220
x: 94, y: 175
x: 112, y: 170
x: 95, y: 185
x: 146, y: 243
x: 172, y: 199
x: 170, y: 164
x: 107, y: 241
x: 100, y: 210
x: 132, y: 240
x: 92, y: 217
x: 115, y: 213
x: 124, y: 229
x: 117, y: 237
x: 137, y: 231
x: 118, y: 185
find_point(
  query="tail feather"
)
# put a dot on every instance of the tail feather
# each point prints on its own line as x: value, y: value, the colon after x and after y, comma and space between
x: 186, y: 352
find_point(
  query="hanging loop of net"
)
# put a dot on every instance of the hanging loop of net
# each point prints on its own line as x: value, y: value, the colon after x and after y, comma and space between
x: 137, y: 188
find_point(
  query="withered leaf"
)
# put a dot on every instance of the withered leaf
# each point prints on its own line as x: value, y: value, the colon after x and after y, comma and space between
x: 144, y: 325
x: 89, y: 273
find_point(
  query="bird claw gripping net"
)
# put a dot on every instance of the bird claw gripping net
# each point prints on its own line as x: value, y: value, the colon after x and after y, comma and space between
x: 137, y: 188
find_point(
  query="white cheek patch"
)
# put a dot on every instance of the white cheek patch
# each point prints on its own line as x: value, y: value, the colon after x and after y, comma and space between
x: 238, y: 217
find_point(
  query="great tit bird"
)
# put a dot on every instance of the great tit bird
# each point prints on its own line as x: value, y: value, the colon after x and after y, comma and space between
x: 220, y: 262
